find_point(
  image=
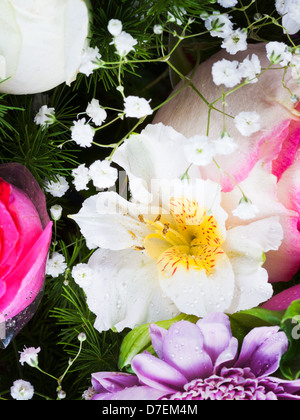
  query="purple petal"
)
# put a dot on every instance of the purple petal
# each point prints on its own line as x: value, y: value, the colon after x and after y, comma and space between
x: 216, y: 331
x: 183, y: 349
x: 290, y: 387
x: 142, y: 392
x: 262, y: 350
x: 112, y: 382
x: 157, y: 374
x: 228, y: 356
x: 157, y: 335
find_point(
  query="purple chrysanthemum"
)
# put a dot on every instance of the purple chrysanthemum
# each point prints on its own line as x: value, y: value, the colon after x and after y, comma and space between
x: 201, y: 362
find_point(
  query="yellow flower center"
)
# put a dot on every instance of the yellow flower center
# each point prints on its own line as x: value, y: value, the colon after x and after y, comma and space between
x: 188, y: 238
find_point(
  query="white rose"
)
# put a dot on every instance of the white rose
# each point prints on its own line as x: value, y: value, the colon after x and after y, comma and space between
x: 41, y: 43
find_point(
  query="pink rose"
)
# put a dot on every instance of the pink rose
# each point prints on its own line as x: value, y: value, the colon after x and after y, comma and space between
x: 25, y: 235
x: 266, y: 163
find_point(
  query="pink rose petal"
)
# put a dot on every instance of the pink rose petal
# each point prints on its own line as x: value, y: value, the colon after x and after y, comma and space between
x: 282, y: 300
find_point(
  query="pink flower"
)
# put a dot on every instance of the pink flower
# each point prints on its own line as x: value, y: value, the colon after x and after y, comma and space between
x: 266, y: 163
x: 25, y: 234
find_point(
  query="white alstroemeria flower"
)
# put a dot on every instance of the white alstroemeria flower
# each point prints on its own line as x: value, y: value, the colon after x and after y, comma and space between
x: 41, y: 43
x: 183, y: 252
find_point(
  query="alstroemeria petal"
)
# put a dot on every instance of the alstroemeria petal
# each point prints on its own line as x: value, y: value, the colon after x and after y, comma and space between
x: 109, y: 221
x: 154, y: 154
x: 246, y: 243
x: 184, y: 349
x: 126, y: 295
x: 198, y: 293
x: 156, y: 373
x: 252, y: 289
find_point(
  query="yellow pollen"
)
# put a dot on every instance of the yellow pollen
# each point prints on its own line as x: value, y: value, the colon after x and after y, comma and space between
x: 186, y: 239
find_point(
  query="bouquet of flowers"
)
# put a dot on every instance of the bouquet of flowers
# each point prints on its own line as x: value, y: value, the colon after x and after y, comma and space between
x: 150, y: 200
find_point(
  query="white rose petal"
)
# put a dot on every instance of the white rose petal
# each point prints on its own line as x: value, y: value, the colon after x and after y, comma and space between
x: 41, y: 43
